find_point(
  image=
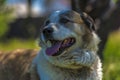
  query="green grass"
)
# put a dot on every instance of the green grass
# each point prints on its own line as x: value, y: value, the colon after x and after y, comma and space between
x: 111, y: 63
x: 18, y: 44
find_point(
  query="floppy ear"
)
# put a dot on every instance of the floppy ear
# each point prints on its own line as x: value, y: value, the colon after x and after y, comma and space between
x: 88, y: 21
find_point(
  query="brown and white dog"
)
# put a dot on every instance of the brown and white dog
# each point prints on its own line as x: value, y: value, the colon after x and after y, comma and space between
x: 68, y: 49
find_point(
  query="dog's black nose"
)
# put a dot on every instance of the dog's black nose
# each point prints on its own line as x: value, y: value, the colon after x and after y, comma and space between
x: 48, y: 31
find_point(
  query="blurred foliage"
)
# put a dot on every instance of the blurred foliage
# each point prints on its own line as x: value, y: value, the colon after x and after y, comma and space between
x: 111, y: 63
x: 18, y: 44
x: 2, y: 2
x: 5, y: 18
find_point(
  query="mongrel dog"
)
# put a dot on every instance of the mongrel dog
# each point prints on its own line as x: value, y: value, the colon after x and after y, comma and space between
x: 68, y: 49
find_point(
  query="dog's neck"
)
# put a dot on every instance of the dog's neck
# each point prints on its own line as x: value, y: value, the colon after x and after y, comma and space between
x: 48, y: 71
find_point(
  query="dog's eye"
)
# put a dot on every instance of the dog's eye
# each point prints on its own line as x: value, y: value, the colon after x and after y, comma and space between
x: 47, y: 22
x: 64, y: 20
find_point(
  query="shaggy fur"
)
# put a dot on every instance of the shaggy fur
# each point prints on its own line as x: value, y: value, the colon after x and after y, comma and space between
x: 80, y: 61
x: 14, y: 65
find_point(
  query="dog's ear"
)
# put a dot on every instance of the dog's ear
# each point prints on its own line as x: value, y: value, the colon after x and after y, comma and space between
x: 89, y: 22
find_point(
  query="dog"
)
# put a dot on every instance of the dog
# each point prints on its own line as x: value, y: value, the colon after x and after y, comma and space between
x: 68, y: 48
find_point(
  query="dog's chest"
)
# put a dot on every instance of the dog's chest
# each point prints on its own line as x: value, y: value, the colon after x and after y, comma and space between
x: 47, y: 72
x: 50, y: 76
x: 53, y: 74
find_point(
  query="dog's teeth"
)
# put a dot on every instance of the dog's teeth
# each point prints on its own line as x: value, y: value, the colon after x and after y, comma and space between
x: 65, y: 41
x: 72, y: 40
x: 68, y: 41
x: 49, y: 44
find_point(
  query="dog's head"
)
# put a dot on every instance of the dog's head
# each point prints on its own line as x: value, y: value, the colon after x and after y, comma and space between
x: 67, y: 38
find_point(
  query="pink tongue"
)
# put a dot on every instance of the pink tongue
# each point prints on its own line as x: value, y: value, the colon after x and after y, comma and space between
x: 52, y: 50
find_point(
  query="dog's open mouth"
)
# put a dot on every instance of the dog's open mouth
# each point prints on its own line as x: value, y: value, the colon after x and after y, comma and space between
x: 59, y: 46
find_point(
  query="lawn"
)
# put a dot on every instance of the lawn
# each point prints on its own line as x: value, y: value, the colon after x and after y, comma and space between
x: 18, y: 44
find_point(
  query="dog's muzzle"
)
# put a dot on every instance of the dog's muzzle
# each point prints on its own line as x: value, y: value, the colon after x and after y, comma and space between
x: 57, y: 46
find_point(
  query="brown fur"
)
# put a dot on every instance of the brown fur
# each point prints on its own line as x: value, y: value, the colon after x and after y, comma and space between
x: 14, y: 65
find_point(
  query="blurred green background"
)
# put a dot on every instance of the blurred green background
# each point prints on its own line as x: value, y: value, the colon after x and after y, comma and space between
x: 111, y: 64
x: 111, y: 54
